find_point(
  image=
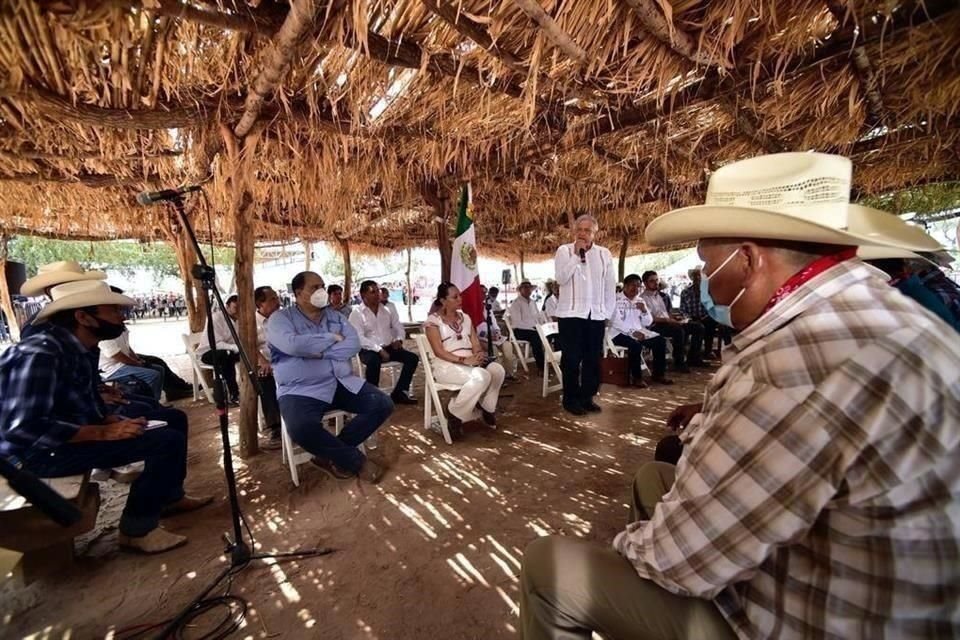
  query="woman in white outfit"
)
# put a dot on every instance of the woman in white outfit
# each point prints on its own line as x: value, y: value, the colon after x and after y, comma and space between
x: 460, y: 360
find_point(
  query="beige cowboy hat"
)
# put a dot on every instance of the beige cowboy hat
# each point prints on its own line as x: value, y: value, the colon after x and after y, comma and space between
x: 55, y: 273
x: 800, y: 197
x: 79, y: 294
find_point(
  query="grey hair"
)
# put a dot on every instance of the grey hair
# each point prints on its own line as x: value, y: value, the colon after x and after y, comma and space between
x: 797, y: 254
x: 587, y: 216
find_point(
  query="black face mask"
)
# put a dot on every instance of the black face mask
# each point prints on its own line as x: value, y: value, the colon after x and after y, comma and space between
x: 106, y: 330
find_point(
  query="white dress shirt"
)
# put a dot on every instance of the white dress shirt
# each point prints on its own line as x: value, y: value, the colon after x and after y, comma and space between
x: 221, y: 333
x: 587, y: 289
x: 655, y: 305
x: 262, y: 336
x: 629, y: 319
x: 523, y: 313
x: 376, y: 330
x: 550, y: 307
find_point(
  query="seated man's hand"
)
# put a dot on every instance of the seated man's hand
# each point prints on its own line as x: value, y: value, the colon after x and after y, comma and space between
x: 397, y: 344
x: 682, y: 416
x: 337, y: 337
x: 263, y: 366
x: 112, y: 396
x: 384, y: 356
x: 123, y: 429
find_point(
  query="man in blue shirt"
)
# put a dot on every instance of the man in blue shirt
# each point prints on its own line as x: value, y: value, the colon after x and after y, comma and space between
x: 53, y: 422
x: 311, y: 349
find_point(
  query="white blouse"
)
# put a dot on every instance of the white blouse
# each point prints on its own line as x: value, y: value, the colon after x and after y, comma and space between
x: 456, y: 342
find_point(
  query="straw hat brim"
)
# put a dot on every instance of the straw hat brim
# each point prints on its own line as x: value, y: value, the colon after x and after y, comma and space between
x: 712, y: 221
x: 85, y: 299
x: 873, y: 252
x: 34, y: 286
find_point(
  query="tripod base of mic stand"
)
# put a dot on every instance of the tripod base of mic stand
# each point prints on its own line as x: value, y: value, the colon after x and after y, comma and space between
x: 240, y: 558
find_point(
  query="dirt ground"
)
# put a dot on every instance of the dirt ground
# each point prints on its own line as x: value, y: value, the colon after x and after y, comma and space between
x: 432, y: 552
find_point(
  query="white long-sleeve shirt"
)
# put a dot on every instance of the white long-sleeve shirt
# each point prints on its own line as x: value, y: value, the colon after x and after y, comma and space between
x: 589, y: 289
x: 550, y: 308
x: 221, y: 333
x: 376, y: 330
x: 523, y: 313
x: 629, y: 319
x: 262, y: 346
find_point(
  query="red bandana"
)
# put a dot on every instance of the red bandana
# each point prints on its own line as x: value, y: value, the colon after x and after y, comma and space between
x: 809, y: 272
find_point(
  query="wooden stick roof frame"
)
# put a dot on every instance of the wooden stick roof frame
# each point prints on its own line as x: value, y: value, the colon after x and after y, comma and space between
x: 615, y: 108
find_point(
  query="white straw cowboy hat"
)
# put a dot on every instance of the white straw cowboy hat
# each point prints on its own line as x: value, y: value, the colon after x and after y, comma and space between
x: 800, y: 197
x: 56, y: 273
x: 79, y: 294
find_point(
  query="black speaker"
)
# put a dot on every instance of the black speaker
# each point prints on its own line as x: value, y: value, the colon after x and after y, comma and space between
x: 505, y: 277
x: 16, y: 274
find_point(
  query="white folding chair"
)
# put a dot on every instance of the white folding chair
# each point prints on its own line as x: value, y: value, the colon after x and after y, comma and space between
x: 551, y: 358
x: 291, y: 453
x: 191, y: 341
x: 520, y: 347
x: 432, y: 409
x: 609, y: 348
x: 392, y: 368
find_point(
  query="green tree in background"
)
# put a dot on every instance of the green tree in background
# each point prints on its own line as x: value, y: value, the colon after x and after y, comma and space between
x: 121, y: 255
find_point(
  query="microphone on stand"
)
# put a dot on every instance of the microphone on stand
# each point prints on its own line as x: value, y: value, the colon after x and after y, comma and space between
x: 583, y: 256
x: 153, y: 197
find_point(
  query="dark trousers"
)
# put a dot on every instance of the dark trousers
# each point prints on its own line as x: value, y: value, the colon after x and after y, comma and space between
x: 582, y: 344
x: 163, y: 451
x: 302, y: 416
x: 531, y: 336
x: 712, y: 330
x: 171, y: 381
x: 657, y: 345
x: 372, y: 363
x: 687, y: 340
x: 225, y: 362
x: 271, y: 408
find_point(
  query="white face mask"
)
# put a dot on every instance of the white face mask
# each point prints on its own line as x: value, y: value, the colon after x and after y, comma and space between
x: 319, y: 298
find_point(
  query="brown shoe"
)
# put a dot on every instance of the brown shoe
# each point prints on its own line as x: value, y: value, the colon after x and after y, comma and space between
x: 185, y: 504
x: 330, y: 469
x: 371, y: 472
x: 157, y: 541
x: 639, y: 384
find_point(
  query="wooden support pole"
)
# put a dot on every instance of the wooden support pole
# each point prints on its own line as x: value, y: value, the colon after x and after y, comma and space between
x: 347, y: 267
x: 409, y: 286
x: 6, y: 302
x: 241, y: 211
x: 437, y: 198
x: 622, y: 264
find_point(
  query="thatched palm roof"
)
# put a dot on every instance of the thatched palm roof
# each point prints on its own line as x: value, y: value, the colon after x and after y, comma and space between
x: 350, y: 119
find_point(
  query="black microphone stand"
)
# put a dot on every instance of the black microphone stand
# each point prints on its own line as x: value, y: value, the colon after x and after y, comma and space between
x: 490, y: 325
x: 237, y: 549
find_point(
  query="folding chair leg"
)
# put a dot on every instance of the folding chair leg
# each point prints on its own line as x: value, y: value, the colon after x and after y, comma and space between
x: 287, y: 446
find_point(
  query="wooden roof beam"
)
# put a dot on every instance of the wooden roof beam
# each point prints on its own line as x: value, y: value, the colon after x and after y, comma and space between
x: 298, y: 25
x: 842, y: 11
x: 93, y: 180
x: 552, y: 30
x: 474, y: 31
x: 659, y: 26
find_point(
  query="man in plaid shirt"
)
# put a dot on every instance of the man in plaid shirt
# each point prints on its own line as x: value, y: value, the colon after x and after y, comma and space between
x: 818, y: 494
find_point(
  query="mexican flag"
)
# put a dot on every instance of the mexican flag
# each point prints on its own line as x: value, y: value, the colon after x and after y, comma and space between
x: 463, y: 264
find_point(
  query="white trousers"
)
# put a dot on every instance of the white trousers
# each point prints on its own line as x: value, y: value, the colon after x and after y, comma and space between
x: 480, y: 386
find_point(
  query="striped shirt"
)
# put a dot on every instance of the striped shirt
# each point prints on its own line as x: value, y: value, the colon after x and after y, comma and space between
x: 819, y: 491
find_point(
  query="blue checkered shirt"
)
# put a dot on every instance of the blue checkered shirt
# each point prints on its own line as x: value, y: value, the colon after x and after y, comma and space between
x: 48, y: 389
x: 690, y: 303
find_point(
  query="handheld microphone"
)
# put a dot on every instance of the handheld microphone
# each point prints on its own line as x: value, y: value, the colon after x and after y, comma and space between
x: 583, y: 256
x: 153, y: 197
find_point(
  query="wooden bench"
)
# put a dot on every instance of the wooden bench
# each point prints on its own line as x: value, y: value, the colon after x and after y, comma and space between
x: 33, y: 545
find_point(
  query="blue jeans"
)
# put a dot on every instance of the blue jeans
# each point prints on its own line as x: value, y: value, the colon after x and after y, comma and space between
x: 302, y: 416
x: 152, y: 377
x: 163, y: 450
